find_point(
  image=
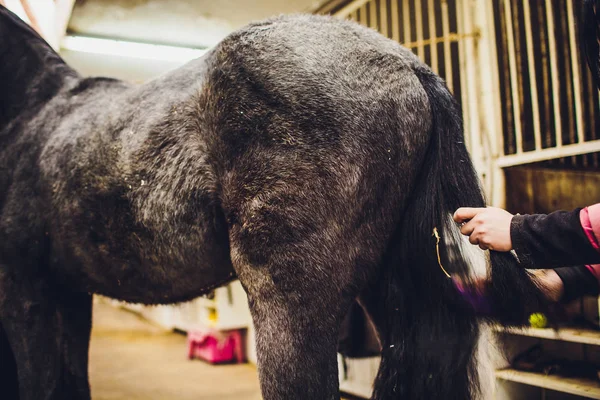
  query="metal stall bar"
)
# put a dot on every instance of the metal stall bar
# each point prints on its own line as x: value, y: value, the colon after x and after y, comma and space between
x: 463, y: 59
x: 432, y: 35
x: 537, y: 131
x: 344, y: 12
x: 514, y: 86
x: 363, y: 15
x: 473, y: 130
x: 554, y: 73
x: 383, y: 18
x: 373, y: 23
x: 395, y: 21
x: 406, y: 20
x: 549, y: 153
x: 447, y: 49
x: 575, y: 71
x: 419, y: 24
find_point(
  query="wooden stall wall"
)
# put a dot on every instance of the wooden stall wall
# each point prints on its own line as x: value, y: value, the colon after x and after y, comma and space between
x: 534, y: 189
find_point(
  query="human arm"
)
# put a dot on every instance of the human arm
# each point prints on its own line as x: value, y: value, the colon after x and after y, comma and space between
x: 539, y: 240
x: 544, y: 241
x: 556, y: 239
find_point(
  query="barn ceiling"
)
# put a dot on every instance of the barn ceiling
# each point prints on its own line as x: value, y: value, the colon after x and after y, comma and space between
x: 190, y: 23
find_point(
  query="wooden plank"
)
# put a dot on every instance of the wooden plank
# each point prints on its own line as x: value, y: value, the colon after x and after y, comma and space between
x: 406, y: 21
x: 577, y: 386
x: 545, y: 76
x: 432, y: 35
x: 508, y: 137
x: 466, y: 53
x: 566, y: 54
x: 373, y: 23
x: 537, y: 130
x: 514, y: 80
x: 328, y: 7
x: 383, y: 18
x: 395, y: 21
x: 350, y: 8
x: 419, y: 24
x: 554, y: 73
x: 447, y: 51
x: 363, y: 15
x: 573, y: 335
x: 548, y: 154
x: 575, y: 67
x: 520, y: 197
x: 542, y: 190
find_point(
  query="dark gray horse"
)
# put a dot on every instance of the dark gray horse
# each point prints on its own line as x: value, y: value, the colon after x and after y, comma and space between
x: 309, y: 157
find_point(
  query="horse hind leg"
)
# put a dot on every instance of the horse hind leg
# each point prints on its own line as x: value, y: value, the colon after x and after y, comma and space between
x: 296, y: 347
x: 297, y: 313
x: 299, y: 288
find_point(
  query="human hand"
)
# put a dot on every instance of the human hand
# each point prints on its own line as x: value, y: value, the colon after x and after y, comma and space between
x: 487, y: 227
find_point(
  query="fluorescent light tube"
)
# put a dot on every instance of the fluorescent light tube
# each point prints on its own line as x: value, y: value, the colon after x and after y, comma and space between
x: 130, y: 49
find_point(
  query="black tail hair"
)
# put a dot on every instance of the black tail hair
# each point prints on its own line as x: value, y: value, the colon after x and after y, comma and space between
x: 430, y: 338
x: 590, y: 35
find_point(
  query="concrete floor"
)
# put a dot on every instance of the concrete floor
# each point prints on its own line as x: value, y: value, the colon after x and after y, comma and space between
x: 130, y: 359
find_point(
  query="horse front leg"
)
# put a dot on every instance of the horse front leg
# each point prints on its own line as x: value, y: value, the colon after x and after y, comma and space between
x: 48, y: 329
x: 9, y: 384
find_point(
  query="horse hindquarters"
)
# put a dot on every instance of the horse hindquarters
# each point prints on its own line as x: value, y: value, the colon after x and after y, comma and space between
x: 317, y: 152
x: 302, y: 250
x: 48, y: 329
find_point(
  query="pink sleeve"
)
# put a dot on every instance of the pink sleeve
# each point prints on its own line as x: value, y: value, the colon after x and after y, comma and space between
x: 590, y: 222
x: 595, y: 270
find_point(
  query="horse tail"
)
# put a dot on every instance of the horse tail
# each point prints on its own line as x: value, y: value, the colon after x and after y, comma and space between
x: 590, y: 35
x: 430, y: 335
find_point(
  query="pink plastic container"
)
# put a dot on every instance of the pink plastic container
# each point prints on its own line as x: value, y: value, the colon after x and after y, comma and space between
x: 216, y: 346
